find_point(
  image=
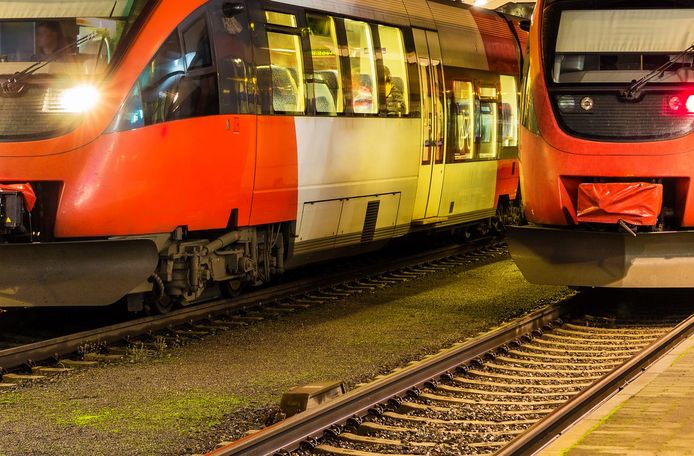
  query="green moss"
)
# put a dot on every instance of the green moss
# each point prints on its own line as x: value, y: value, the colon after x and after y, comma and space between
x: 10, y: 398
x: 187, y: 413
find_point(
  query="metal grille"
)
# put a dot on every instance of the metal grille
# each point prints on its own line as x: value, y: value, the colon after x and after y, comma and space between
x: 612, y: 118
x: 35, y: 112
x: 367, y: 234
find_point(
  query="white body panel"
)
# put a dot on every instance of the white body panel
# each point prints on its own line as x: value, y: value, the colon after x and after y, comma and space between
x: 471, y: 187
x: 345, y: 163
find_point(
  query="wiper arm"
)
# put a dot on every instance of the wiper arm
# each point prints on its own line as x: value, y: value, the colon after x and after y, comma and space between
x: 14, y: 85
x: 634, y: 90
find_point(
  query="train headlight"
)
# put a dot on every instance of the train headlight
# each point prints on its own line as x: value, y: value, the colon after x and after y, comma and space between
x: 79, y: 99
x: 566, y: 103
x: 587, y: 103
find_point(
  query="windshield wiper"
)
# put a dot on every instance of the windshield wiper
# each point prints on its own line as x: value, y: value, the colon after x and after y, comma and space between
x: 633, y: 92
x: 14, y: 85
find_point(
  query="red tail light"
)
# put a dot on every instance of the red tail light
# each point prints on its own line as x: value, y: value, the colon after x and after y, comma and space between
x: 681, y: 104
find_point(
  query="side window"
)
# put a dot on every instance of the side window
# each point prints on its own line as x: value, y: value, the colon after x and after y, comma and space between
x: 197, y: 45
x: 286, y: 66
x: 528, y: 115
x: 395, y: 67
x: 487, y: 118
x: 178, y: 86
x: 509, y: 111
x: 363, y: 67
x: 461, y: 128
x: 232, y: 40
x: 160, y: 80
x: 198, y: 92
x: 327, y: 75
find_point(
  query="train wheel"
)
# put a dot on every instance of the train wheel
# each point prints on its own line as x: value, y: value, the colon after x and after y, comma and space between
x: 231, y: 288
x: 158, y: 302
x: 159, y: 306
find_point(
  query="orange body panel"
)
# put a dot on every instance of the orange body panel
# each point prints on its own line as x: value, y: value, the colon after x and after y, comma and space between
x: 507, y: 179
x: 150, y: 180
x: 276, y: 174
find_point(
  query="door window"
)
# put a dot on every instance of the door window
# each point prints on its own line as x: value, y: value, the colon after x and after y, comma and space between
x: 487, y: 123
x: 461, y: 122
x: 232, y: 40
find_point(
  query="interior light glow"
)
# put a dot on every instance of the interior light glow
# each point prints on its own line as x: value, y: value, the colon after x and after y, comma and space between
x: 79, y: 99
x: 480, y: 2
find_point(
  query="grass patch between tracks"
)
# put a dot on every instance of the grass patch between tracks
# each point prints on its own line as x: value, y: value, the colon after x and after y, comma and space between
x: 187, y: 413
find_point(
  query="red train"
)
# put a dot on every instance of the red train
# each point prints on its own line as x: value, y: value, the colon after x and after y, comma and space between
x: 156, y: 148
x: 606, y: 145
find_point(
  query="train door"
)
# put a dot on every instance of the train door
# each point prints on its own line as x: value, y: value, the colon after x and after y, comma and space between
x: 431, y: 171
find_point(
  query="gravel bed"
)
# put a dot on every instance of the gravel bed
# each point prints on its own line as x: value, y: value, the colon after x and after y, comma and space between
x: 187, y: 399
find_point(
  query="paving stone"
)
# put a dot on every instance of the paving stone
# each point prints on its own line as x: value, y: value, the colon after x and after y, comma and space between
x: 652, y: 415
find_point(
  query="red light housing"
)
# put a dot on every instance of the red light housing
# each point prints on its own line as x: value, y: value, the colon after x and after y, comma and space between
x: 675, y: 103
x: 681, y: 104
x: 690, y: 104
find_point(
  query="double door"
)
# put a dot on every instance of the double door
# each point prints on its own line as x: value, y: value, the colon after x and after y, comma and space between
x: 431, y: 173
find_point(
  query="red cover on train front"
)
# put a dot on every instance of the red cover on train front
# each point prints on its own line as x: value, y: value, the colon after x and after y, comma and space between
x: 26, y: 191
x: 637, y: 203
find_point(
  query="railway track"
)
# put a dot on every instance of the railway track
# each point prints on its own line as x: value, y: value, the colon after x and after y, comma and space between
x: 507, y: 393
x: 30, y: 361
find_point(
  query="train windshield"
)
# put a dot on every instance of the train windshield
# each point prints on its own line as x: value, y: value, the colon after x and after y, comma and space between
x: 70, y: 37
x: 53, y: 55
x: 623, y: 45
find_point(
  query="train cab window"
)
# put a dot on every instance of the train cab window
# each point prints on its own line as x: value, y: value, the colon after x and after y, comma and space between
x: 486, y: 124
x: 198, y: 93
x: 363, y: 67
x: 509, y: 111
x: 327, y: 75
x: 177, y: 85
x: 286, y: 66
x: 234, y: 58
x: 197, y: 45
x: 395, y: 66
x: 461, y: 129
x: 160, y: 80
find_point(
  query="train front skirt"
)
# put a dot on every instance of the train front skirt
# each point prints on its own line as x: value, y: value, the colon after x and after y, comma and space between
x: 74, y: 273
x: 550, y: 256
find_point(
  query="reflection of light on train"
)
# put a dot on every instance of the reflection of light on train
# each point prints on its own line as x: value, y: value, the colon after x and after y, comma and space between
x: 175, y: 145
x: 606, y: 150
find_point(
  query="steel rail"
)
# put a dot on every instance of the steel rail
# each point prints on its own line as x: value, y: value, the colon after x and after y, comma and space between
x: 54, y: 348
x: 545, y: 430
x: 287, y: 435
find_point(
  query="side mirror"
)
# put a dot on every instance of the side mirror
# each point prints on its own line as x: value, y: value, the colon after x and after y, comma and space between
x: 233, y: 9
x: 524, y: 25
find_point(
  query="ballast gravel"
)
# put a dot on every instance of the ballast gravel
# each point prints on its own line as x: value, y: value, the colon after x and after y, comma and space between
x: 186, y: 399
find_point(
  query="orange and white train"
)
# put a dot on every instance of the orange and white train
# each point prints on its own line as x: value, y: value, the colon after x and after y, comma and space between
x: 153, y: 148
